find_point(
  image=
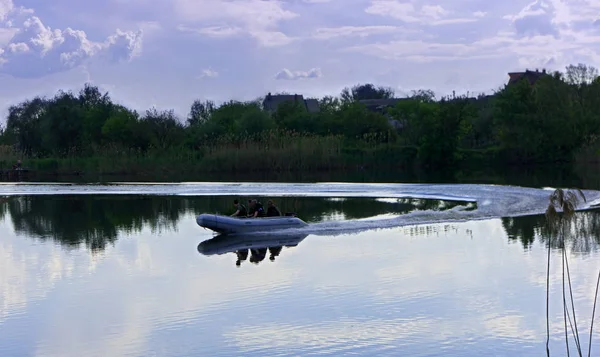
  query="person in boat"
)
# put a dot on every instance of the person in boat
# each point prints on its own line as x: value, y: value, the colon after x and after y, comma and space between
x: 250, y: 208
x: 240, y: 209
x: 272, y: 210
x: 257, y: 209
x: 17, y: 166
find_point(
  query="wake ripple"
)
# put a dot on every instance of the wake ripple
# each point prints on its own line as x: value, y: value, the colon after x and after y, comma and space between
x: 493, y: 201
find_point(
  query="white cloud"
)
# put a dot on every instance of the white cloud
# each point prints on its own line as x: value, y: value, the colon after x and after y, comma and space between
x: 214, y: 31
x: 423, y: 51
x: 255, y: 18
x: 209, y: 73
x: 6, y: 6
x: 535, y: 19
x: 123, y: 45
x: 410, y: 12
x: 9, y: 12
x: 5, y: 35
x: 286, y: 74
x: 263, y: 37
x: 34, y: 49
x: 542, y: 34
x: 255, y: 14
x: 327, y: 33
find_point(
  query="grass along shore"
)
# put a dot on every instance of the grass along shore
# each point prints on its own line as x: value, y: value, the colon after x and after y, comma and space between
x: 296, y: 153
x: 290, y: 154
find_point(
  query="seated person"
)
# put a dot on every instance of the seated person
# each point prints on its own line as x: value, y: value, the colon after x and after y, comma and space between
x: 250, y: 208
x: 17, y: 166
x: 257, y: 209
x: 240, y: 209
x: 272, y: 210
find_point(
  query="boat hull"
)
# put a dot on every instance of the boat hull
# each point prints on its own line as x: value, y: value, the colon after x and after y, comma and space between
x: 232, y: 225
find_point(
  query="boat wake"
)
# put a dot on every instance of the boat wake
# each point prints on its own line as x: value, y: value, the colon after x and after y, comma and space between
x: 493, y: 201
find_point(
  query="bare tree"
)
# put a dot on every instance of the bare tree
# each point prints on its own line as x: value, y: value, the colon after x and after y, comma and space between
x: 580, y: 74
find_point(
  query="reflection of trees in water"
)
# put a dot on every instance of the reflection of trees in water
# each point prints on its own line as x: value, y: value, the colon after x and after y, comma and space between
x: 95, y: 221
x: 584, y: 234
x: 523, y: 229
x: 98, y: 220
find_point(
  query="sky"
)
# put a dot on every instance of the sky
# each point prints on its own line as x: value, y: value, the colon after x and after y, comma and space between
x: 167, y: 53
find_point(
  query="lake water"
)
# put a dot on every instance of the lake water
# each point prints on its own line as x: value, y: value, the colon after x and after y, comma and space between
x: 382, y: 270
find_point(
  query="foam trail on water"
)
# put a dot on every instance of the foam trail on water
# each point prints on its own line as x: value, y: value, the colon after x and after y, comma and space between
x: 493, y: 201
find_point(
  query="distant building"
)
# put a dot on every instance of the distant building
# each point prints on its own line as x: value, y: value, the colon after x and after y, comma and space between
x: 272, y: 102
x: 531, y: 76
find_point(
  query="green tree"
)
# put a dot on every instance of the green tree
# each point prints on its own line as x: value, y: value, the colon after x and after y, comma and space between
x: 423, y: 95
x: 516, y: 123
x: 163, y: 128
x: 365, y: 91
x: 200, y: 112
x: 482, y: 133
x: 120, y: 127
x: 329, y: 104
x: 254, y: 121
x: 356, y: 122
x: 97, y: 109
x: 62, y: 125
x: 417, y: 114
x: 24, y: 125
x: 294, y: 117
x: 439, y: 143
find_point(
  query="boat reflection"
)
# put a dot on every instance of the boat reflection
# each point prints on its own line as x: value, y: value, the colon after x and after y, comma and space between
x: 250, y: 247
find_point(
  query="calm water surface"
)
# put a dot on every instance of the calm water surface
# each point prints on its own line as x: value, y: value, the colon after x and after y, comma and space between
x: 419, y: 270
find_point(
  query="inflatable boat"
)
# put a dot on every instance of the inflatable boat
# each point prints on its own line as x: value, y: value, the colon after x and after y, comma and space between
x: 232, y: 225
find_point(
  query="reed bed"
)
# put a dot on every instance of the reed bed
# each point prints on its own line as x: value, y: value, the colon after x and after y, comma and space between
x: 275, y: 150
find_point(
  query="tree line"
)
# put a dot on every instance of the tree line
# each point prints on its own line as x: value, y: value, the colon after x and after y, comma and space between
x: 549, y: 120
